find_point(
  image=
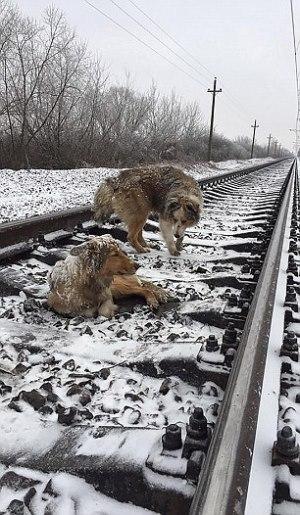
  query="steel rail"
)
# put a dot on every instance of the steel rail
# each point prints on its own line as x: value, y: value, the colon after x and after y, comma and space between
x: 19, y: 231
x: 223, y: 481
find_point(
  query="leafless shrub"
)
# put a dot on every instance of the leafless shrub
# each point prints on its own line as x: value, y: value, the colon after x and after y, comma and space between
x: 58, y: 109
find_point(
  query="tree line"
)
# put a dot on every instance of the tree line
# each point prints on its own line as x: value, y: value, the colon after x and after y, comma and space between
x: 58, y: 108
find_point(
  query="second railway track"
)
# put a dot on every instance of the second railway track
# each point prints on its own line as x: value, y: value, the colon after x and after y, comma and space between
x: 134, y: 404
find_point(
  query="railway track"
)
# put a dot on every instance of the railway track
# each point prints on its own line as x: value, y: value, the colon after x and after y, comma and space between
x: 156, y: 409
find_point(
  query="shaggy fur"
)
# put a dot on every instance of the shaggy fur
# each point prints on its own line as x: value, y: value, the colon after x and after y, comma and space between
x: 85, y: 284
x: 136, y: 192
x: 80, y: 285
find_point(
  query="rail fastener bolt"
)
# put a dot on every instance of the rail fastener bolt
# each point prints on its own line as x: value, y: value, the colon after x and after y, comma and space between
x: 198, y: 434
x: 288, y: 317
x: 229, y: 339
x: 256, y: 276
x: 289, y: 346
x: 294, y: 222
x: 232, y: 300
x: 245, y: 308
x: 293, y: 247
x: 245, y: 296
x: 171, y: 440
x: 245, y: 269
x: 285, y: 449
x: 194, y: 465
x: 256, y: 265
x: 229, y: 357
x: 211, y: 344
x: 227, y: 293
x: 291, y: 298
x: 255, y: 249
x: 292, y: 266
x: 293, y: 233
x: 290, y: 279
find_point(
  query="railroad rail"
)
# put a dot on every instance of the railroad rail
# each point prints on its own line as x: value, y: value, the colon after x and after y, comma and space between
x: 18, y: 231
x: 156, y: 409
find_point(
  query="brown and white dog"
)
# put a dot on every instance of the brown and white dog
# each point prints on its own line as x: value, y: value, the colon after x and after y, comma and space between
x: 93, y: 275
x: 136, y: 192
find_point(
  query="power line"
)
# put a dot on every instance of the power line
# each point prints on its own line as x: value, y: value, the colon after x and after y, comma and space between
x: 296, y: 72
x: 295, y: 47
x: 231, y: 99
x: 142, y: 42
x: 228, y: 96
x: 154, y: 36
x: 172, y: 38
x: 150, y: 47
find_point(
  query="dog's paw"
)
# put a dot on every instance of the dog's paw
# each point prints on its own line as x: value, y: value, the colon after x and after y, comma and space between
x: 143, y: 250
x: 108, y: 311
x: 153, y: 303
x: 163, y: 297
x: 179, y: 244
x: 174, y: 252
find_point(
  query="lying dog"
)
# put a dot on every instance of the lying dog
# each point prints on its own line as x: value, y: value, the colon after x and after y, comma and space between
x: 92, y: 275
x: 136, y: 192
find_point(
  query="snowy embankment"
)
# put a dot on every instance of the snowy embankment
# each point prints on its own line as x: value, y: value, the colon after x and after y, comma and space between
x: 27, y: 193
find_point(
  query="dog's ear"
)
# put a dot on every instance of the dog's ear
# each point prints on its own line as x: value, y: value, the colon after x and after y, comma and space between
x: 193, y: 210
x: 79, y: 249
x: 172, y: 206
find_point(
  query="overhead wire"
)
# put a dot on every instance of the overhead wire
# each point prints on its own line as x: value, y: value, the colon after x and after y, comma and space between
x: 172, y: 39
x: 296, y: 73
x: 230, y: 97
x: 154, y: 36
x: 137, y: 38
x: 235, y: 103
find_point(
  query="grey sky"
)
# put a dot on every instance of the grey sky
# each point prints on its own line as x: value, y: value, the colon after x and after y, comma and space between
x: 247, y: 44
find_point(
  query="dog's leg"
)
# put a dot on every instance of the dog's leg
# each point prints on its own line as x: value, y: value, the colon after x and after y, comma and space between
x: 135, y: 228
x: 141, y: 239
x: 107, y: 308
x: 166, y: 228
x: 179, y: 243
x: 153, y: 295
x: 123, y: 286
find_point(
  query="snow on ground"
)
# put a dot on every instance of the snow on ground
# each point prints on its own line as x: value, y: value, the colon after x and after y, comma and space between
x: 27, y: 193
x: 60, y: 493
x: 101, y: 374
x: 203, y: 170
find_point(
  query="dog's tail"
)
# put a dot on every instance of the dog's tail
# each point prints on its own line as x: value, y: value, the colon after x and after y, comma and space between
x: 103, y: 207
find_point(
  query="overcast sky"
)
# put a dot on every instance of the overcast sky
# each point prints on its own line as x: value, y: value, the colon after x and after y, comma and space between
x: 247, y: 44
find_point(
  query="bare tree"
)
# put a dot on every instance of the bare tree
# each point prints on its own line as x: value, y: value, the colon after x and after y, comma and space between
x: 58, y: 108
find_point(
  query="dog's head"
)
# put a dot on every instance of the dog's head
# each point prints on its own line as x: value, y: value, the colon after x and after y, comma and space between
x: 102, y: 254
x: 183, y: 212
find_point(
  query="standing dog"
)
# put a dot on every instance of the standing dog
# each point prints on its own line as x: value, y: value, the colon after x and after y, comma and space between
x: 93, y: 275
x: 136, y: 192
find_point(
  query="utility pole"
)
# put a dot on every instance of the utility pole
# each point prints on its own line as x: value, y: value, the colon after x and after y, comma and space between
x: 269, y: 144
x: 275, y: 148
x: 255, y: 126
x: 214, y: 91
